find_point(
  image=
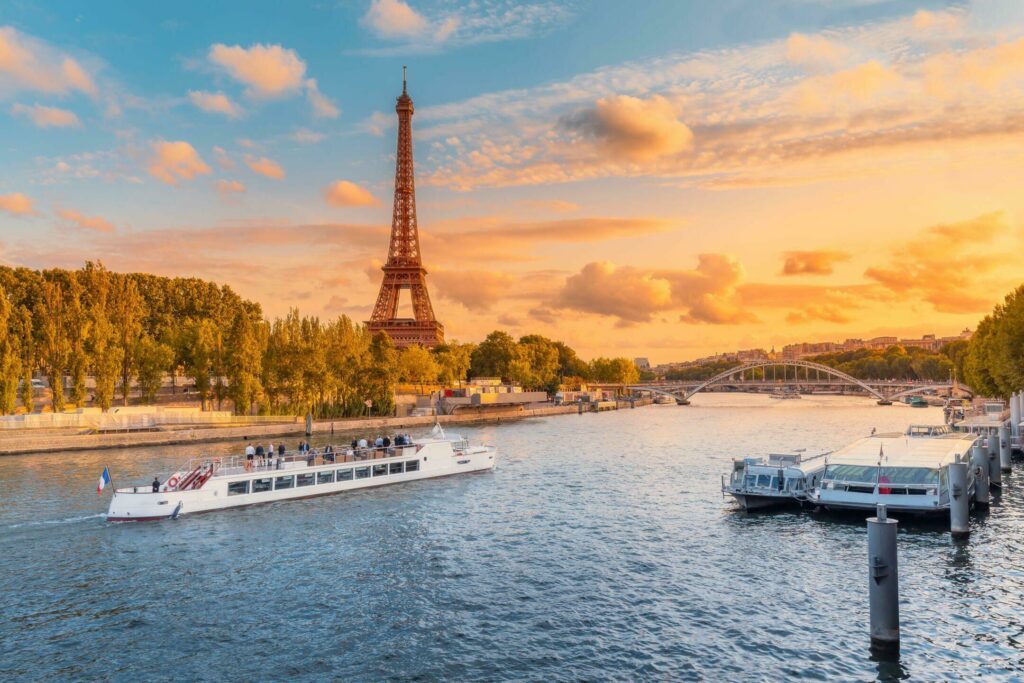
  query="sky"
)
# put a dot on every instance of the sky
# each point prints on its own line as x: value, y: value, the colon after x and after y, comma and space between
x: 665, y: 179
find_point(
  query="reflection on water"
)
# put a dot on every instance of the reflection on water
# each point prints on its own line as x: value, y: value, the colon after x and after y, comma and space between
x: 600, y: 548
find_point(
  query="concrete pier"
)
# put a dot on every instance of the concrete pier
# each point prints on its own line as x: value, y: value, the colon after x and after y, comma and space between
x: 1005, y: 463
x: 979, y: 462
x: 1015, y: 413
x: 883, y: 582
x: 959, y: 500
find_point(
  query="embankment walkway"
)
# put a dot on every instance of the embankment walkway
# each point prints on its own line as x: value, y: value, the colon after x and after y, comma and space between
x: 50, y: 441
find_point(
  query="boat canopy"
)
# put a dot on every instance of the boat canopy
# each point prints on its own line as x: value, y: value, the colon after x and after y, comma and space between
x: 902, y: 450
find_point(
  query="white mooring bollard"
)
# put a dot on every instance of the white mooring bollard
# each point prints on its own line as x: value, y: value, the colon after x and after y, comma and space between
x: 959, y: 501
x: 995, y: 474
x: 979, y: 461
x: 883, y: 582
x: 1005, y: 464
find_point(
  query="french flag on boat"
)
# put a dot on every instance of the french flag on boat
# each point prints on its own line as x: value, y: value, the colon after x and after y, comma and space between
x: 104, y: 480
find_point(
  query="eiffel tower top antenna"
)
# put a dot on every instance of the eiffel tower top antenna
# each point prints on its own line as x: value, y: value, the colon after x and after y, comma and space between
x: 403, y: 80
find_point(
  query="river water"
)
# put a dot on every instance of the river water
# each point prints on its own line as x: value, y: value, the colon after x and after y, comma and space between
x: 600, y: 548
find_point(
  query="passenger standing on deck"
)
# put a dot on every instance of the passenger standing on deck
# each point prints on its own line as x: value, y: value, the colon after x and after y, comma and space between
x: 280, y: 449
x: 156, y: 485
x: 379, y: 442
x: 387, y: 441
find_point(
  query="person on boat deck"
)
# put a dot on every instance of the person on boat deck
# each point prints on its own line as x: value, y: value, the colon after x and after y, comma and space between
x: 355, y: 444
x: 310, y: 457
x: 249, y: 452
x: 379, y: 442
x: 270, y: 448
x: 259, y: 451
x: 156, y: 485
x: 280, y: 449
x: 387, y: 441
x: 362, y: 444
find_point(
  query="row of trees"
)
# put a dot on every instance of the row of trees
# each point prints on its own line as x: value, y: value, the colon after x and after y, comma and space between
x: 993, y: 361
x: 98, y: 334
x: 894, y: 362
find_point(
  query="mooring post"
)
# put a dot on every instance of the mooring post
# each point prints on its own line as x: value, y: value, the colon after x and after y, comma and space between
x: 1015, y: 414
x: 959, y: 502
x: 979, y: 461
x: 883, y: 582
x: 995, y: 474
x: 1005, y: 464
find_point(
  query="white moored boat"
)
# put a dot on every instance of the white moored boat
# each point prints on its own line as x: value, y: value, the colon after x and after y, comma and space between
x: 219, y: 483
x: 907, y: 472
x: 781, y: 479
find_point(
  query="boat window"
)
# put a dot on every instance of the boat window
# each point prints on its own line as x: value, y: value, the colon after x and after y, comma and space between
x: 305, y: 479
x: 859, y: 473
x: 345, y: 475
x: 325, y: 477
x: 412, y: 465
x: 261, y: 485
x: 380, y: 470
x: 362, y: 472
x: 750, y: 481
x: 284, y: 482
x: 764, y: 480
x: 395, y: 468
x: 238, y: 488
x: 908, y: 475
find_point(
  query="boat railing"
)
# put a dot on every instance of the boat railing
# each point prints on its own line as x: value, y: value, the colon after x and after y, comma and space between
x: 238, y: 464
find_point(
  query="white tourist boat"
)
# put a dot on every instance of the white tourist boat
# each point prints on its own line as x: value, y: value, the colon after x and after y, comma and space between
x: 665, y: 400
x: 218, y: 483
x: 778, y: 480
x: 906, y: 471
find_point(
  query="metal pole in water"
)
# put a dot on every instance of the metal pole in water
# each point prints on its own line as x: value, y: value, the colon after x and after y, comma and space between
x: 1015, y: 416
x: 1005, y: 463
x: 979, y: 461
x: 995, y: 474
x: 959, y: 503
x: 883, y: 582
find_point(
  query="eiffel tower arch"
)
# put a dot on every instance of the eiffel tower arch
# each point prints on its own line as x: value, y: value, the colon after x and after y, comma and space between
x: 404, y: 267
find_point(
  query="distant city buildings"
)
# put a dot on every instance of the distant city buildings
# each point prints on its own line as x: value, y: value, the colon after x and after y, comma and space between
x: 803, y: 350
x: 642, y: 363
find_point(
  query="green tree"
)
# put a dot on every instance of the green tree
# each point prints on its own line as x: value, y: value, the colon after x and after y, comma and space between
x: 453, y: 361
x: 199, y: 342
x: 101, y: 345
x: 381, y: 373
x: 494, y: 356
x: 54, y: 344
x: 26, y: 349
x: 10, y: 359
x: 245, y: 363
x: 417, y: 365
x: 152, y: 359
x: 126, y: 311
x: 537, y: 366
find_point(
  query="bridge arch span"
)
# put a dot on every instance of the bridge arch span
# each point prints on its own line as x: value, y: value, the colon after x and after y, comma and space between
x: 723, y: 376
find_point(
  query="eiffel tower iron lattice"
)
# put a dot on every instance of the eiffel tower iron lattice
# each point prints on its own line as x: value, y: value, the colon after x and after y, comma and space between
x: 404, y: 268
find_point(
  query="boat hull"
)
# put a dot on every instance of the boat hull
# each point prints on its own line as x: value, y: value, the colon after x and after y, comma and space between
x: 126, y: 505
x: 752, y: 501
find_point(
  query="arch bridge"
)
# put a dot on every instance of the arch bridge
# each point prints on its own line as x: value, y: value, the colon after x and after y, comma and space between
x: 883, y: 390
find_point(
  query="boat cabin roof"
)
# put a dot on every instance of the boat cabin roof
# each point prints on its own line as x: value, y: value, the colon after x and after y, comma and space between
x: 901, y: 450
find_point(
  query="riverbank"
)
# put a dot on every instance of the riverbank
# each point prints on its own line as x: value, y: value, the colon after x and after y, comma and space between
x: 30, y: 441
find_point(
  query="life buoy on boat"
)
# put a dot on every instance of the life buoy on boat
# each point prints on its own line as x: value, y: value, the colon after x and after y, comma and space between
x: 172, y: 483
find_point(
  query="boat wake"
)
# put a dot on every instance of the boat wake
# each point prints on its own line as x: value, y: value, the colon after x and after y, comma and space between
x: 66, y: 520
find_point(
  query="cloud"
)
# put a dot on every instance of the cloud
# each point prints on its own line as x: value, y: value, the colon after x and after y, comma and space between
x: 229, y: 187
x: 30, y: 64
x: 812, y: 262
x: 16, y: 204
x: 267, y: 71
x: 634, y: 129
x: 706, y: 294
x: 336, y: 304
x: 47, y: 117
x: 445, y: 24
x: 623, y: 292
x: 323, y: 107
x: 94, y: 223
x: 346, y: 193
x: 306, y: 137
x: 394, y: 19
x: 925, y: 20
x: 829, y: 314
x: 477, y: 290
x: 814, y: 52
x: 223, y: 159
x: 216, y: 103
x: 945, y: 264
x: 174, y: 161
x: 376, y: 123
x: 265, y: 167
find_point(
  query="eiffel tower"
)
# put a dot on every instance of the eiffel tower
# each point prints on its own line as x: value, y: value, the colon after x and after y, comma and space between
x: 404, y: 269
